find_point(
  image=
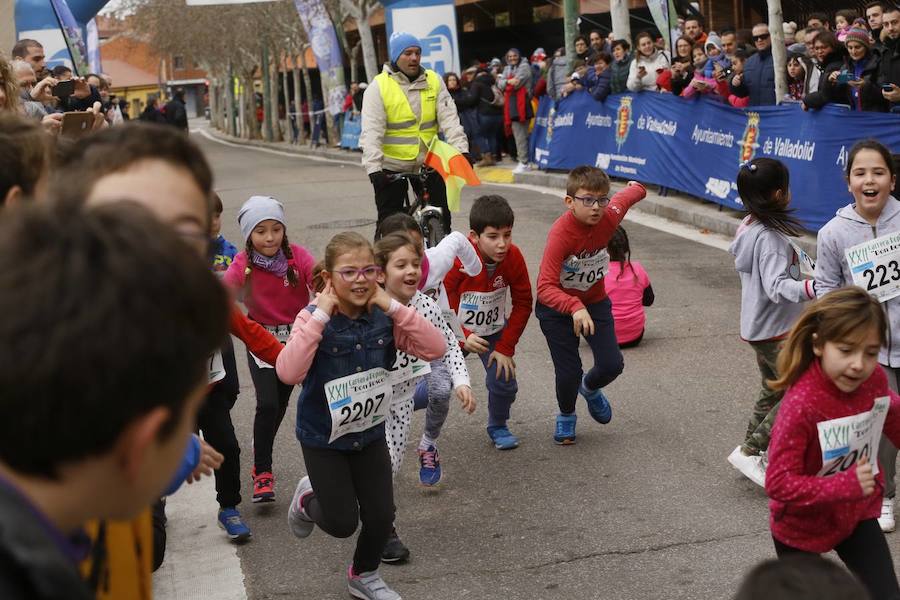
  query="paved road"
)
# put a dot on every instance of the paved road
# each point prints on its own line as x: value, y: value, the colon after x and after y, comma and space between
x: 643, y: 508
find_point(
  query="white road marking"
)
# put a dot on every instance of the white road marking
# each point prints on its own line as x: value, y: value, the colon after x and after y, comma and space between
x: 200, y: 561
x: 688, y: 232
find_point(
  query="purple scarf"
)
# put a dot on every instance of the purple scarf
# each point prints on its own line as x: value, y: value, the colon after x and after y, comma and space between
x: 276, y: 265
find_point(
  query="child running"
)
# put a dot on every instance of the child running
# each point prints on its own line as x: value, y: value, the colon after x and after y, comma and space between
x: 824, y: 490
x: 434, y: 392
x: 629, y: 290
x: 400, y: 259
x: 874, y: 213
x: 342, y: 349
x: 480, y: 304
x: 772, y: 293
x: 274, y: 276
x: 572, y: 298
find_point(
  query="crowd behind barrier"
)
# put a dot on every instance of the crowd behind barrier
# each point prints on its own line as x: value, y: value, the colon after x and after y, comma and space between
x: 697, y: 146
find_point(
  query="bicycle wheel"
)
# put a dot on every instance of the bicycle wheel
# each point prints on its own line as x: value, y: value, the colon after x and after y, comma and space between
x: 434, y: 231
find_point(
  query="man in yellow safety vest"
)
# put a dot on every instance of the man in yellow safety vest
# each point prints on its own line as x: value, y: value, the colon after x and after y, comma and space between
x: 404, y: 107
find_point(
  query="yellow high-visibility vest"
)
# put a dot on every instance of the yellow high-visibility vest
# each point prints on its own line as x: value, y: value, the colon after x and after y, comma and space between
x: 404, y: 130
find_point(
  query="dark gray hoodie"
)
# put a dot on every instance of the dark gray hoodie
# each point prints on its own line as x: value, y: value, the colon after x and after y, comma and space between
x: 848, y: 229
x: 772, y: 292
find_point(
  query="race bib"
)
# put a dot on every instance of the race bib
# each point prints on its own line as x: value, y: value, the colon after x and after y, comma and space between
x: 483, y: 313
x: 875, y: 266
x: 583, y: 273
x: 281, y: 333
x: 845, y: 441
x: 408, y: 367
x: 807, y: 264
x: 358, y: 402
x: 216, y: 367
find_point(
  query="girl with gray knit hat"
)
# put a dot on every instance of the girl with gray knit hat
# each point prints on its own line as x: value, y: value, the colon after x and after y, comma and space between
x: 273, y: 277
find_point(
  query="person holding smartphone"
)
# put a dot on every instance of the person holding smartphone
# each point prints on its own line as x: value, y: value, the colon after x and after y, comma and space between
x: 889, y: 69
x: 853, y: 82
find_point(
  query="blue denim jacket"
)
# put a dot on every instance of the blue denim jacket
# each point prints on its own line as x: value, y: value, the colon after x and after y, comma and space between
x: 348, y: 346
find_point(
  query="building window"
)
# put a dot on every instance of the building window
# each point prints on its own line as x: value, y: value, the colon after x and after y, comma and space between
x: 501, y: 19
x: 178, y: 62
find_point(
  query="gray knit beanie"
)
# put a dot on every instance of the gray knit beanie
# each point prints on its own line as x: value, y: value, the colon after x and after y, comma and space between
x: 256, y: 210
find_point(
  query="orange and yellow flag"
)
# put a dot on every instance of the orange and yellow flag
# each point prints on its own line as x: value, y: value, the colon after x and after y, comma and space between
x: 453, y: 167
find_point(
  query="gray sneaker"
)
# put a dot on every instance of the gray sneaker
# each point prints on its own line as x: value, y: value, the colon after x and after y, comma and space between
x: 369, y: 586
x: 301, y: 524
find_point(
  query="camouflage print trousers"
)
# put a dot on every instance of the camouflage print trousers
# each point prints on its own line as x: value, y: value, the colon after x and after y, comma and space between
x: 759, y: 429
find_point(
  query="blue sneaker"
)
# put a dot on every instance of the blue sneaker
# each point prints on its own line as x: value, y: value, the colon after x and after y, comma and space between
x: 235, y: 528
x: 502, y: 438
x: 597, y: 403
x: 429, y: 466
x: 565, y: 429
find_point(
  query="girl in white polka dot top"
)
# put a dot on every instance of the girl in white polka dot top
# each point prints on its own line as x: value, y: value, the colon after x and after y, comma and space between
x: 823, y: 479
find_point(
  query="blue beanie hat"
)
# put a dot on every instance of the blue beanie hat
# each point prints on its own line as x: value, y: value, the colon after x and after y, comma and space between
x: 400, y: 41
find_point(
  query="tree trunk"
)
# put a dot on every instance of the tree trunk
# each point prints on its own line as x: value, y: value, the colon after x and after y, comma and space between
x: 229, y: 105
x: 621, y: 25
x: 570, y: 29
x: 370, y: 60
x: 213, y: 101
x: 307, y: 82
x: 329, y: 118
x: 273, y: 98
x: 298, y: 99
x: 267, y: 91
x: 354, y: 61
x: 286, y: 96
x: 779, y: 52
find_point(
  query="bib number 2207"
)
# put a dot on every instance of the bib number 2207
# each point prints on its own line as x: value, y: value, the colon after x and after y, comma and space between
x: 358, y: 402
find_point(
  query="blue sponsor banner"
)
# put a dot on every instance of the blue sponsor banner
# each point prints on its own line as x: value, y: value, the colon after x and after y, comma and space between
x: 351, y: 130
x: 327, y: 50
x: 697, y: 145
x: 434, y: 23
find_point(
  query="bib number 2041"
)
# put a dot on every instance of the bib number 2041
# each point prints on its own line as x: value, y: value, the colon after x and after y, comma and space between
x: 878, y: 276
x: 358, y: 411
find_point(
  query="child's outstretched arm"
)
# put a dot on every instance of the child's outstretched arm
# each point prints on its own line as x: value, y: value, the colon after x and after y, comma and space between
x: 257, y: 338
x: 829, y: 261
x: 442, y: 257
x: 631, y: 194
x: 295, y: 360
x: 780, y: 287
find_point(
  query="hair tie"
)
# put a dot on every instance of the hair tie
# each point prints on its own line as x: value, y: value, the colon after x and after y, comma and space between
x: 749, y: 166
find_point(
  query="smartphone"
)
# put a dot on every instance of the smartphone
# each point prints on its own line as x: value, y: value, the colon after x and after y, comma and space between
x: 64, y: 89
x: 76, y: 124
x: 844, y: 77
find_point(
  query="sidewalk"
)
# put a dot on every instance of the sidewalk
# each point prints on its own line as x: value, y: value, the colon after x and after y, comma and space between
x: 675, y: 206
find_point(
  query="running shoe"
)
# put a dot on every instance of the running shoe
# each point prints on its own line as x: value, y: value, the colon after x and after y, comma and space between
x: 429, y: 466
x: 597, y: 403
x: 235, y: 528
x: 520, y: 168
x: 300, y: 522
x: 264, y: 487
x: 395, y: 551
x: 886, y: 520
x: 502, y: 438
x: 565, y: 429
x: 369, y: 586
x: 752, y: 467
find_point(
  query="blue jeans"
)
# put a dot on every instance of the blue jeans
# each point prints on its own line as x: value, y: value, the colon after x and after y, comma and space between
x: 501, y: 393
x: 488, y: 130
x: 563, y: 343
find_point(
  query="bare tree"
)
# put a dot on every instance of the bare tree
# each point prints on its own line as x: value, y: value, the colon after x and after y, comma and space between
x: 779, y: 52
x: 618, y: 10
x: 360, y: 11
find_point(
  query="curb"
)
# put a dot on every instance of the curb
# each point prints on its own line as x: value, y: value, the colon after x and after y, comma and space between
x: 674, y: 206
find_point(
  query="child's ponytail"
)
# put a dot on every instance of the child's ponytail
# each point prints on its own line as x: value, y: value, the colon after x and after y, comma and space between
x: 847, y: 314
x: 620, y: 251
x: 757, y: 183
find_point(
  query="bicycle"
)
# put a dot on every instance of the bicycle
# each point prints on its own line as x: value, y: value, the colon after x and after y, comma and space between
x: 429, y: 217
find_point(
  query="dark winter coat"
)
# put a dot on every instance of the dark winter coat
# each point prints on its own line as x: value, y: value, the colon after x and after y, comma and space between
x: 841, y: 93
x: 758, y: 81
x: 481, y: 90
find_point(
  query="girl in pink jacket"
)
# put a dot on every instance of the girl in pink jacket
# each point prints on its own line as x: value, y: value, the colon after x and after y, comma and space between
x: 823, y: 481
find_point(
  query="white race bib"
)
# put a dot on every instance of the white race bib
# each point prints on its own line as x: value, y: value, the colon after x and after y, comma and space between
x: 281, y: 333
x: 583, y: 273
x: 359, y: 401
x: 216, y: 367
x: 875, y: 266
x: 807, y: 264
x: 483, y: 313
x: 846, y: 440
x: 408, y: 367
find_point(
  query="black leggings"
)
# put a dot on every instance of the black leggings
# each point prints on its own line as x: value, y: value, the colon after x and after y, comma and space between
x: 349, y: 486
x: 867, y: 555
x: 272, y: 398
x: 214, y: 421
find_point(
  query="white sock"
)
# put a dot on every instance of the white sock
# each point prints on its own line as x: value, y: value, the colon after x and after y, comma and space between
x: 425, y: 442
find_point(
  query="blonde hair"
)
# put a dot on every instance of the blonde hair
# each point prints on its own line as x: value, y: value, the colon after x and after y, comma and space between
x: 847, y: 314
x: 10, y: 84
x: 391, y: 243
x: 343, y: 243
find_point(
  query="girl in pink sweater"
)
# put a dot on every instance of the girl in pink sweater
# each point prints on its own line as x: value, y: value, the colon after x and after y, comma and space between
x: 273, y: 276
x: 824, y: 491
x: 629, y: 290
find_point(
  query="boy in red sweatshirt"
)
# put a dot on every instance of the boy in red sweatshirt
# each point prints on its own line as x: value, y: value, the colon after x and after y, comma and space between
x: 480, y: 301
x: 572, y: 301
